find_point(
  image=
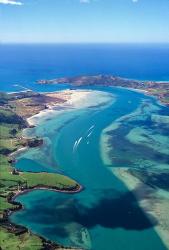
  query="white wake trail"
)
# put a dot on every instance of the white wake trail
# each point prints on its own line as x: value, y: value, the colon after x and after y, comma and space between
x: 77, y: 142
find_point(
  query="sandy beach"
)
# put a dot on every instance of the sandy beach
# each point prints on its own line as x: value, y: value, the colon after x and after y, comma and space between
x: 71, y: 99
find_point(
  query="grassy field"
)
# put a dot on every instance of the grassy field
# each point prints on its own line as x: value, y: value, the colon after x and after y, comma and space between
x: 12, y: 182
x: 26, y: 241
x: 47, y: 179
x: 8, y: 132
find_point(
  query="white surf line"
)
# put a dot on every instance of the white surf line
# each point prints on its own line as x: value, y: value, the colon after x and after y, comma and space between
x: 18, y: 85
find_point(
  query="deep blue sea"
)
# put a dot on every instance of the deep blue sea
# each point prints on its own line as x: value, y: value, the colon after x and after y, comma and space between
x: 24, y: 64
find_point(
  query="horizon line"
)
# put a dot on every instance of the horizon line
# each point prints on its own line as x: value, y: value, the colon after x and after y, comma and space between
x: 60, y: 43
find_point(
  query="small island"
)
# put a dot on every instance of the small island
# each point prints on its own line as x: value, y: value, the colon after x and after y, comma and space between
x: 154, y: 88
x: 14, y: 110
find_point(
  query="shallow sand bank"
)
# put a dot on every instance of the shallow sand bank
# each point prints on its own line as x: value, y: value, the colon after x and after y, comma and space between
x: 153, y: 200
x: 154, y: 203
x: 73, y: 99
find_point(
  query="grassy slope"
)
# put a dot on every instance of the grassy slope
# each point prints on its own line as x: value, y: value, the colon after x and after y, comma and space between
x: 8, y: 141
x: 26, y: 241
x: 10, y: 182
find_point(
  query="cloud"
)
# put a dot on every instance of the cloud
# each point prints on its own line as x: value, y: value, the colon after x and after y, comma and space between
x: 10, y: 2
x: 134, y: 1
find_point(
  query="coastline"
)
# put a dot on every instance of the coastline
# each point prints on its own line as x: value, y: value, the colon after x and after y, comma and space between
x: 45, y: 112
x: 74, y: 99
x: 159, y: 89
x: 80, y: 188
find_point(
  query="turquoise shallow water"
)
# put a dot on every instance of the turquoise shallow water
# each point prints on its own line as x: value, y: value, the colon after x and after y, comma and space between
x: 105, y: 215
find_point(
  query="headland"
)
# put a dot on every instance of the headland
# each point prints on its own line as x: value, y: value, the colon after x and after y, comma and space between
x: 154, y: 88
x: 15, y: 111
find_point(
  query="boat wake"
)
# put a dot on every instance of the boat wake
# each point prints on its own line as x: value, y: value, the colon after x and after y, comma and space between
x: 87, y: 135
x: 77, y: 142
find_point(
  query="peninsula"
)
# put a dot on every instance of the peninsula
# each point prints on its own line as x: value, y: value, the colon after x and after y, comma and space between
x: 154, y: 88
x: 14, y: 110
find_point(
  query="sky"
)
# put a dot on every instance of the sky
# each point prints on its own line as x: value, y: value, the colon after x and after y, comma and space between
x: 84, y: 21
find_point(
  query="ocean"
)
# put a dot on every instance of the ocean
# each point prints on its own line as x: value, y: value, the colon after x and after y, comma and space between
x: 24, y: 64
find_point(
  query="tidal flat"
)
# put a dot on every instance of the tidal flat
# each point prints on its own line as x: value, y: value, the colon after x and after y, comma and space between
x: 107, y: 212
x: 135, y: 147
